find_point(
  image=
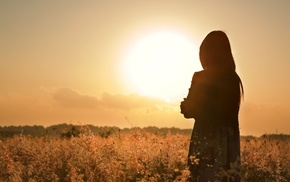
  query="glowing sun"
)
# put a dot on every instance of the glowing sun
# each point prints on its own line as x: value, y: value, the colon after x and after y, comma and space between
x: 161, y: 64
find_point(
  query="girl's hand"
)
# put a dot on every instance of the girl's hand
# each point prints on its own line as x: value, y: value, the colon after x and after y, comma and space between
x: 184, y: 108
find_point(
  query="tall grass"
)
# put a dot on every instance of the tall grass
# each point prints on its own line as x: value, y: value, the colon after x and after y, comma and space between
x: 133, y: 156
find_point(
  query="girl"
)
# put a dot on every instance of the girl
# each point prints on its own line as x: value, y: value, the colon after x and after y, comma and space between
x: 214, y: 101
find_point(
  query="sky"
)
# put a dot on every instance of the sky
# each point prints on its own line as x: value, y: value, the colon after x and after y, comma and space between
x: 99, y: 62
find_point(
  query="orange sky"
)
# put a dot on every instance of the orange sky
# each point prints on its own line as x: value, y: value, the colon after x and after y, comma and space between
x: 63, y: 61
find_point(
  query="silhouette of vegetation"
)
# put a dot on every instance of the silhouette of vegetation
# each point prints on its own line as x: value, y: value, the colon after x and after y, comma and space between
x: 73, y: 132
x: 10, y: 131
x: 276, y: 136
x: 68, y: 130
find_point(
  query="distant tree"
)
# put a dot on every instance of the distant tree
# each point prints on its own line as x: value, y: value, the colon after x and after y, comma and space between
x: 276, y: 136
x: 73, y: 132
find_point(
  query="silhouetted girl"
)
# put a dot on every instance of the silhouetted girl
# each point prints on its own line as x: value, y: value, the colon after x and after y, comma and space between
x: 214, y: 101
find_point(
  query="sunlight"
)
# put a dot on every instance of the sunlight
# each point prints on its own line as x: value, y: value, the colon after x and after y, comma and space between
x: 161, y: 64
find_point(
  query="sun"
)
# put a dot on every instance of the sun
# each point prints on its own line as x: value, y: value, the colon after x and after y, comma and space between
x: 161, y: 64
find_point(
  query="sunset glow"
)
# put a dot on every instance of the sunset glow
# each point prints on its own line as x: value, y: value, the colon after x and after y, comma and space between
x: 107, y: 62
x: 160, y: 65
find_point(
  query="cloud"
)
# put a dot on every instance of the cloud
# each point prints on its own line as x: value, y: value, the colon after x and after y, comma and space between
x: 52, y: 106
x: 113, y: 109
x: 127, y: 102
x: 69, y: 98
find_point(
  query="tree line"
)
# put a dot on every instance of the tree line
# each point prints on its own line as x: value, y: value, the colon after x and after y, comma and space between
x: 69, y: 130
x: 65, y: 130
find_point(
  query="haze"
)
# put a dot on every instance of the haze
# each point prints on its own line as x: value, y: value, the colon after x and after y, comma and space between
x: 62, y: 61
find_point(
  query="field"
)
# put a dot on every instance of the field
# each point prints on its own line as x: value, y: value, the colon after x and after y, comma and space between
x: 133, y: 156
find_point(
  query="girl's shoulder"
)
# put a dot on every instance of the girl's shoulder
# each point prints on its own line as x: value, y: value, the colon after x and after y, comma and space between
x: 215, y: 78
x: 200, y: 73
x: 203, y: 74
x: 207, y: 74
x: 201, y: 77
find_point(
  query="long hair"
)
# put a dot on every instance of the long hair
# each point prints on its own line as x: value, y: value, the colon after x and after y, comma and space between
x: 215, y: 54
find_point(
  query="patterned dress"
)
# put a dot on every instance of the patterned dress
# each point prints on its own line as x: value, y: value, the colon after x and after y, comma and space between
x: 213, y: 101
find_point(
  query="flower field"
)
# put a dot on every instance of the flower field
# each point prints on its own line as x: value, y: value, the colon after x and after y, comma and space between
x: 133, y: 156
